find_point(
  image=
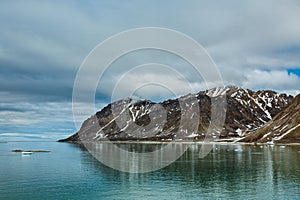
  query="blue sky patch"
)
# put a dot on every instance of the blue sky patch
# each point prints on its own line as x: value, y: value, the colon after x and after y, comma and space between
x: 294, y: 71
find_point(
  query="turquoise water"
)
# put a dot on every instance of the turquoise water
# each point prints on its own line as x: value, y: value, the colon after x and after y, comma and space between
x: 228, y: 172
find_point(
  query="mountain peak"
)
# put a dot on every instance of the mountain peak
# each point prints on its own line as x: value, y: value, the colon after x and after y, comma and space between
x: 218, y: 91
x: 283, y: 128
x: 247, y: 111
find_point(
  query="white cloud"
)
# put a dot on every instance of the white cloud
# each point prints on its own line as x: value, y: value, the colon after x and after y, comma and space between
x: 239, y: 40
x: 280, y: 80
x: 39, y: 120
x: 42, y: 44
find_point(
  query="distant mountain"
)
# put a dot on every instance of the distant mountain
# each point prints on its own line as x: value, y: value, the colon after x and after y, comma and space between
x: 247, y: 111
x: 284, y: 128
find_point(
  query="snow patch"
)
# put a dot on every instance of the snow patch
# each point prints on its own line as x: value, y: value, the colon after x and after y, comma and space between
x: 239, y: 132
x: 286, y: 133
x: 266, y: 135
x: 192, y: 135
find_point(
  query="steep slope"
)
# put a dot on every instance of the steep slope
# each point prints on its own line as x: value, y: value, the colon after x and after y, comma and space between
x: 246, y: 111
x: 266, y: 104
x: 253, y: 110
x: 129, y: 120
x: 284, y: 128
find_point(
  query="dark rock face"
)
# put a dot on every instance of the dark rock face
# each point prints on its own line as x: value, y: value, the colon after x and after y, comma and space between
x: 128, y: 120
x: 252, y: 109
x: 283, y: 128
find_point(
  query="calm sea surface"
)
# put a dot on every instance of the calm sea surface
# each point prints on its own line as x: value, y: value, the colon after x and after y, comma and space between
x: 228, y: 172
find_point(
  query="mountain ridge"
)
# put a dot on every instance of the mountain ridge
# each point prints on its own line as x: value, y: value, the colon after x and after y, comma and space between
x: 284, y: 128
x: 247, y: 111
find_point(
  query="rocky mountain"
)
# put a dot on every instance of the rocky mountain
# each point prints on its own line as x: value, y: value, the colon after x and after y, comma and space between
x: 246, y: 111
x: 284, y: 128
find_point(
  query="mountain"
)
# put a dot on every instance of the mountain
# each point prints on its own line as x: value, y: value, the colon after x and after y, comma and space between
x: 284, y: 128
x: 127, y: 119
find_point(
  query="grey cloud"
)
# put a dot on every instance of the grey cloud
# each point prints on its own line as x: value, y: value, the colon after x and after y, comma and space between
x: 52, y: 38
x: 43, y: 43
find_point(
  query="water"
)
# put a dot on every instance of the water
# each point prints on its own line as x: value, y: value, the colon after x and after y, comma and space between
x: 228, y: 172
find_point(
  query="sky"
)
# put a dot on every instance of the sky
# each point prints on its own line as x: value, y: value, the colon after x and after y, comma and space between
x: 255, y: 44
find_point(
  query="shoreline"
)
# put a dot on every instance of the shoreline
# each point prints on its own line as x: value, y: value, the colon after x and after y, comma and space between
x: 168, y: 142
x: 188, y: 142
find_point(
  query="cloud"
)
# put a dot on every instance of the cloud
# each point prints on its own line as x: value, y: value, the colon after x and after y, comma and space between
x: 279, y: 79
x: 43, y: 43
x: 50, y: 119
x: 11, y: 136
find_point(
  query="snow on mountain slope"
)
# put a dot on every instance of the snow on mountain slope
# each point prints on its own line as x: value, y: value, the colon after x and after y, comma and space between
x: 285, y: 127
x: 264, y: 105
x: 246, y: 111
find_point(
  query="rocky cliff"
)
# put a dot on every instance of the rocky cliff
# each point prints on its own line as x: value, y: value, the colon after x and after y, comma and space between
x: 246, y: 111
x: 284, y: 128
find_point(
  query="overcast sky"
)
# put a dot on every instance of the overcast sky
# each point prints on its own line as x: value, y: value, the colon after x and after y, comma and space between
x: 255, y: 44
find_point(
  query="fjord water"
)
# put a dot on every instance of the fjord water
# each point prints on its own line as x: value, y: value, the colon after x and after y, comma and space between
x: 227, y: 172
